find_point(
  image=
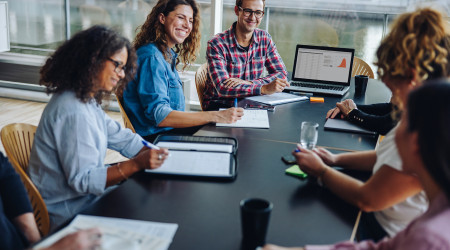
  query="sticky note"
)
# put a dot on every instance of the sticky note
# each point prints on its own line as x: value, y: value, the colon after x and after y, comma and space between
x: 316, y: 99
x: 296, y: 171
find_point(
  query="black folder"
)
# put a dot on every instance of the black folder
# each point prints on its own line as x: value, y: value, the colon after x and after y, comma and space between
x: 198, y: 156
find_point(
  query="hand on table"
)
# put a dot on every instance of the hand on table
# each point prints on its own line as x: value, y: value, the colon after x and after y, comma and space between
x: 275, y: 86
x: 309, y: 162
x: 84, y: 239
x: 341, y: 108
x: 326, y: 156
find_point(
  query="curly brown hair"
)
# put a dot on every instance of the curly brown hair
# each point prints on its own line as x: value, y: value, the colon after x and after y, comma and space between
x: 77, y: 63
x: 152, y: 31
x: 419, y: 41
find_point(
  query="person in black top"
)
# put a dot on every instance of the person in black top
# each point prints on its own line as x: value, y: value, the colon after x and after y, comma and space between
x: 375, y: 117
x: 18, y: 228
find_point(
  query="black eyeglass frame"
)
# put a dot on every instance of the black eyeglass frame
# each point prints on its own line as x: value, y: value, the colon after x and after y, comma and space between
x: 117, y: 69
x: 248, y: 12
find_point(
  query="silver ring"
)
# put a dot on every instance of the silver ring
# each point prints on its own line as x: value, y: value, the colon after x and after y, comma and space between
x: 160, y: 157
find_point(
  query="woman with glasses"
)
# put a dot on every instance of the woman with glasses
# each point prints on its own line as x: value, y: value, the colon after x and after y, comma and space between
x: 154, y: 101
x: 70, y: 144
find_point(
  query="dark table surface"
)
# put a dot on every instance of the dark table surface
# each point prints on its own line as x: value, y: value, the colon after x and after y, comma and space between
x: 207, y: 211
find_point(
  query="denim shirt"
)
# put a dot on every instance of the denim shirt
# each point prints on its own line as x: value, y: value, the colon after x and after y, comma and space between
x: 154, y: 93
x: 66, y: 161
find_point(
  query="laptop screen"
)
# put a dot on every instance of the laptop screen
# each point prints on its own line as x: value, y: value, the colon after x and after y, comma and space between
x: 323, y: 64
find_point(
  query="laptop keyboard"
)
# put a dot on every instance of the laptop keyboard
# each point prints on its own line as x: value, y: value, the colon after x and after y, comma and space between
x: 316, y: 86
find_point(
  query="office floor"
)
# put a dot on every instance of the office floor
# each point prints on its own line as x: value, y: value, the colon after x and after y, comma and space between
x: 18, y: 111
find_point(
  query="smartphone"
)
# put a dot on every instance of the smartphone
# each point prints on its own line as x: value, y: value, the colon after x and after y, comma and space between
x: 288, y: 159
x: 262, y: 106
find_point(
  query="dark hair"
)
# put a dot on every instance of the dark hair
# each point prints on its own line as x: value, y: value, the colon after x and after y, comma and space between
x: 77, y: 63
x: 152, y: 31
x: 429, y: 115
x: 239, y: 2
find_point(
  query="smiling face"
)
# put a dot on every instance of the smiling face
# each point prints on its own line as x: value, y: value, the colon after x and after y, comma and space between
x: 177, y: 24
x: 250, y: 23
x: 109, y: 77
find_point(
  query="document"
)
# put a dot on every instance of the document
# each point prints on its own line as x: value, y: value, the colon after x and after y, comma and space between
x: 277, y: 98
x: 197, y: 159
x: 252, y: 118
x: 345, y: 126
x: 120, y: 233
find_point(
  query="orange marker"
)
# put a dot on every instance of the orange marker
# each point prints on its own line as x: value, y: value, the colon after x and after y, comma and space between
x: 316, y: 99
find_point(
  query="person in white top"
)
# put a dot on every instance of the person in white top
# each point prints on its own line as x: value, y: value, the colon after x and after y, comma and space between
x: 416, y: 49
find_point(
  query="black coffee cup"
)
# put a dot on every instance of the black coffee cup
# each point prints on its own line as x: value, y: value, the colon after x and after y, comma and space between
x: 360, y: 84
x: 255, y: 215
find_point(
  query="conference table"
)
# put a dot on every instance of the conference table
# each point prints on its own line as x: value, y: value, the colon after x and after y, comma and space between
x: 207, y: 211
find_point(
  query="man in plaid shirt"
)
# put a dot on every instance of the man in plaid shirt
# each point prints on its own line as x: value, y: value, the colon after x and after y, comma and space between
x: 237, y: 58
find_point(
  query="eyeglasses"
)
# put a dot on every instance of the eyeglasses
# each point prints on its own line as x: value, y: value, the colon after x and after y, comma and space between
x: 117, y: 65
x: 249, y: 12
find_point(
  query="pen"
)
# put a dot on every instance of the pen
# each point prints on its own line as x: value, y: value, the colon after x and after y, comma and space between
x: 235, y: 102
x: 301, y: 93
x: 149, y: 145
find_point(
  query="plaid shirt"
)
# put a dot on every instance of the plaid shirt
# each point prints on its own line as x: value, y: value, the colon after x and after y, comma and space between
x: 227, y: 59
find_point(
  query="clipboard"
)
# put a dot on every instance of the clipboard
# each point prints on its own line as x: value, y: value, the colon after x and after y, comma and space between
x: 198, y: 156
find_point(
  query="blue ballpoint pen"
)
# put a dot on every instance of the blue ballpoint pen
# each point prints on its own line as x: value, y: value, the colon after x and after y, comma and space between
x: 149, y: 145
x: 235, y: 103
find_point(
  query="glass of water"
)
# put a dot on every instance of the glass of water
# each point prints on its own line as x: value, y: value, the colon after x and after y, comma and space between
x: 308, y: 135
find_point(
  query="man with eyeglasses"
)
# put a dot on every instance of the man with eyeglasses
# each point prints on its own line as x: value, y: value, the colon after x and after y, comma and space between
x: 237, y: 59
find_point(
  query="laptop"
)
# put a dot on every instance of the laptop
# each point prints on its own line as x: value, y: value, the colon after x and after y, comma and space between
x: 323, y: 70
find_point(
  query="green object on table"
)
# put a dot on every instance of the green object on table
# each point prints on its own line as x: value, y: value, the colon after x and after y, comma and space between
x: 294, y: 170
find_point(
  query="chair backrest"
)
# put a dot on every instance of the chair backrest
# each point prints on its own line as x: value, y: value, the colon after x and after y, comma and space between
x: 126, y: 120
x: 200, y: 79
x: 361, y: 68
x: 17, y: 139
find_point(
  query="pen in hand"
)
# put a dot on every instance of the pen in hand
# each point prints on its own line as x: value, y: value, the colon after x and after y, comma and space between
x: 150, y: 145
x: 235, y: 102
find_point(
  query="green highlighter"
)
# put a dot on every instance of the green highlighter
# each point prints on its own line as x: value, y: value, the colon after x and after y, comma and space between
x: 296, y: 171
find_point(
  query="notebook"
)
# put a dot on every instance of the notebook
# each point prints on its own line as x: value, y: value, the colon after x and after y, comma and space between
x: 323, y: 70
x: 277, y: 98
x: 345, y: 126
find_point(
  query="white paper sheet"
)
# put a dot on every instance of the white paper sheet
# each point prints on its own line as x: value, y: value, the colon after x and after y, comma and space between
x: 251, y: 119
x: 120, y: 233
x: 197, y: 146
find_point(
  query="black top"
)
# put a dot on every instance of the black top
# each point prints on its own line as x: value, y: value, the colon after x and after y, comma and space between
x: 13, y: 202
x: 375, y: 117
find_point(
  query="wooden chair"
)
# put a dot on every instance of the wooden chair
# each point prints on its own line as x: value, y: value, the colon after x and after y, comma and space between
x: 200, y: 79
x: 361, y: 68
x: 17, y: 139
x: 126, y: 120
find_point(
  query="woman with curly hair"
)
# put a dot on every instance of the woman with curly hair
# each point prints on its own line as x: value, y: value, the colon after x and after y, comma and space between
x: 70, y: 144
x: 154, y: 101
x: 379, y: 117
x: 417, y: 48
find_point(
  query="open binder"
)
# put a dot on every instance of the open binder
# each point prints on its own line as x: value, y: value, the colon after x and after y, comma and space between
x: 198, y: 156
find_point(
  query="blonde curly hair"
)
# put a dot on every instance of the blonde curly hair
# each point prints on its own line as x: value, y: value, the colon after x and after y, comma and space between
x: 153, y: 31
x: 418, y: 41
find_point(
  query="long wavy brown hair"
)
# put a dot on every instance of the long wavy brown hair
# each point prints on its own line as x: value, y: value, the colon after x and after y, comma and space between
x: 77, y: 63
x: 417, y: 45
x: 152, y: 31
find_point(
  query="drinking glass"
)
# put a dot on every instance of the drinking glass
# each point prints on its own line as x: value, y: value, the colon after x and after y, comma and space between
x: 308, y: 135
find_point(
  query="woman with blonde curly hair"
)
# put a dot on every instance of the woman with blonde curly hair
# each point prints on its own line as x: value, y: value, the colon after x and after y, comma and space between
x: 425, y: 52
x: 416, y: 49
x: 154, y: 101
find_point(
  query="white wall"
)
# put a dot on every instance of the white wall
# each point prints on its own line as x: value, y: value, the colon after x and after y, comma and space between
x: 4, y: 27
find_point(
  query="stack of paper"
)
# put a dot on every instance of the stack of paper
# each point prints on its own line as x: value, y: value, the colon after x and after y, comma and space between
x: 277, y: 98
x: 120, y: 233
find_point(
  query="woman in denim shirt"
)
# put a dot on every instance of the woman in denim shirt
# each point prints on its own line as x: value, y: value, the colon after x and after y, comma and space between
x: 154, y: 100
